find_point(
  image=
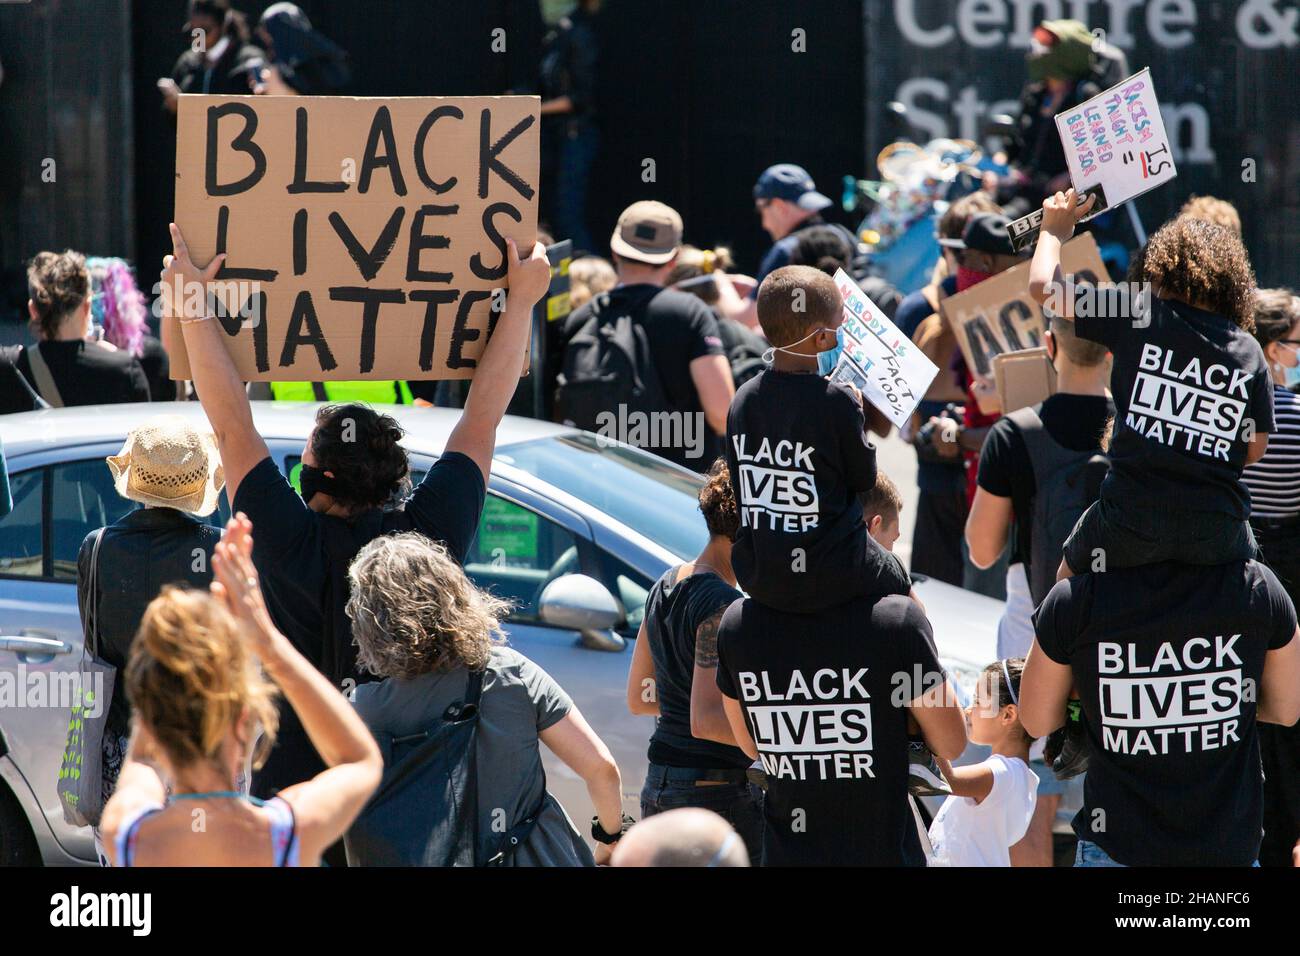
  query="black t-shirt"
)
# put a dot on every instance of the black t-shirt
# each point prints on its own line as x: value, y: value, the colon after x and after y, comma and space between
x: 295, y: 554
x: 1187, y: 386
x: 1075, y: 422
x: 674, y: 613
x: 799, y: 456
x: 680, y: 328
x: 820, y: 697
x: 84, y: 373
x: 1165, y: 658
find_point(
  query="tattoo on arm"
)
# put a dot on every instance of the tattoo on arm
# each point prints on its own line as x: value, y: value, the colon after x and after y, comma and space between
x: 706, y: 640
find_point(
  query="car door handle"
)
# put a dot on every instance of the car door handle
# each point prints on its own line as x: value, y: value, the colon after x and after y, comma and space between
x: 22, y: 644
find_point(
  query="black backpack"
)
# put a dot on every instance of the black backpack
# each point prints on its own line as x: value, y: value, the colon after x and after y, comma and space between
x: 607, y: 363
x: 425, y: 812
x: 1066, y: 483
x: 744, y: 350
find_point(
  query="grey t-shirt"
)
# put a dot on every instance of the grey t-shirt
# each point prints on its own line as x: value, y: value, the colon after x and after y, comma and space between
x: 519, y: 701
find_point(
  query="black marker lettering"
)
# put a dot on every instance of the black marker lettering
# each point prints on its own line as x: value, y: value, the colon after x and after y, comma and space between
x: 371, y: 299
x: 304, y: 313
x: 301, y: 184
x: 421, y: 169
x: 461, y: 333
x: 368, y: 261
x: 432, y: 298
x: 476, y: 261
x: 242, y: 143
x: 487, y: 156
x: 381, y: 127
x: 227, y: 271
x: 420, y: 241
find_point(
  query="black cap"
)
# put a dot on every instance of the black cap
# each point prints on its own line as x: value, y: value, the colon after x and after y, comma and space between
x: 986, y: 232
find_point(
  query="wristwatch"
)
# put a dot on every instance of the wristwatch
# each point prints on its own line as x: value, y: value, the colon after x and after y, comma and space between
x: 600, y: 836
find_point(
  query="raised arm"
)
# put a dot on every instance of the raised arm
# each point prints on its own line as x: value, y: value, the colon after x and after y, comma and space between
x: 221, y: 392
x: 502, y: 361
x: 326, y: 805
x: 1060, y: 214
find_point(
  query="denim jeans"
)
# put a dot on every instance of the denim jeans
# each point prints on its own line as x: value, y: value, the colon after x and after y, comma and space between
x: 1089, y: 854
x: 740, y: 804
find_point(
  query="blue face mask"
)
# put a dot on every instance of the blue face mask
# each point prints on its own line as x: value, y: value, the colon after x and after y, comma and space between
x: 1291, y: 376
x: 826, y: 361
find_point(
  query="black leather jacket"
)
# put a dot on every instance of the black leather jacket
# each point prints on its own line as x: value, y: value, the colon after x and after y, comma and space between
x: 141, y: 551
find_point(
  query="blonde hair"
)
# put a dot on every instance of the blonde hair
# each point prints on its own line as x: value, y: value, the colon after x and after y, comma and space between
x: 589, y: 276
x: 415, y: 612
x: 1215, y: 210
x: 191, y: 680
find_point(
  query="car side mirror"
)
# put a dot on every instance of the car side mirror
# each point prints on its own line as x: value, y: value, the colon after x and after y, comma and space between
x: 580, y: 603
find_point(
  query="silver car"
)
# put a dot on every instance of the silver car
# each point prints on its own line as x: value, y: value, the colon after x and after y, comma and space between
x: 574, y: 532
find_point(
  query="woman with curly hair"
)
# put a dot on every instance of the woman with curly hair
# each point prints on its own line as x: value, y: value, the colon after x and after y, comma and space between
x: 1193, y: 393
x: 694, y: 758
x: 421, y: 626
x: 202, y: 679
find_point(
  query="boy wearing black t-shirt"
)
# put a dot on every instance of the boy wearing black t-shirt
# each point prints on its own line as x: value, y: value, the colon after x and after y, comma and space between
x: 799, y: 456
x: 1192, y: 390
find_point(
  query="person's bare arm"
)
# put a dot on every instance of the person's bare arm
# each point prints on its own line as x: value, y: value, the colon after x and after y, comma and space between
x: 1044, y: 691
x: 221, y: 392
x: 739, y: 730
x: 325, y: 806
x: 576, y: 744
x: 1279, y: 687
x: 1257, y: 448
x: 975, y: 781
x: 708, y: 717
x: 642, y: 694
x: 502, y: 362
x: 139, y: 784
x: 1061, y: 213
x: 987, y: 527
x: 942, y: 723
x: 711, y: 375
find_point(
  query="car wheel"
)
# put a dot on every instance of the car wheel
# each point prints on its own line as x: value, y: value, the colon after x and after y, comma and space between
x: 17, y: 845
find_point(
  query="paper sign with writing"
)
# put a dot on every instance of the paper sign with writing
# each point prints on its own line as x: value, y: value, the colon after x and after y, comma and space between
x: 879, y: 360
x: 365, y: 238
x: 998, y: 315
x: 1116, y: 148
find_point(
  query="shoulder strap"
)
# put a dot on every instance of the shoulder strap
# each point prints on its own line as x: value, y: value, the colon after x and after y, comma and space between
x: 44, y: 380
x: 92, y: 596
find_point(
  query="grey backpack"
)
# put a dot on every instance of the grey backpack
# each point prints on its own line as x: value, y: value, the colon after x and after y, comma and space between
x: 1067, y: 482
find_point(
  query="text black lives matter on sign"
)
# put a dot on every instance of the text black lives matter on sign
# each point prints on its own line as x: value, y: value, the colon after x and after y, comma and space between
x: 364, y: 237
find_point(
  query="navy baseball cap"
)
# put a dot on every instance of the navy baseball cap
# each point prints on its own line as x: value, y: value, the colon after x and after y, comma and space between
x: 791, y: 183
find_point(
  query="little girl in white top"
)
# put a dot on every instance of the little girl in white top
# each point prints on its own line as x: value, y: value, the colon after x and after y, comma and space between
x: 992, y: 801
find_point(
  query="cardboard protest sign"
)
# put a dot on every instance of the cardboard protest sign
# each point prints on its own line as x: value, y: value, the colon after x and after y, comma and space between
x: 998, y: 315
x: 879, y: 360
x: 1023, y: 378
x: 1116, y: 148
x: 365, y: 238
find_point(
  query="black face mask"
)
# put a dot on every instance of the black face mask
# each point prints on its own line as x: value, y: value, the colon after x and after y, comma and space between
x: 312, y: 480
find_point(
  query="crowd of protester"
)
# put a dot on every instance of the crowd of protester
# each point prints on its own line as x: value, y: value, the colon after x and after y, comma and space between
x: 1149, y: 562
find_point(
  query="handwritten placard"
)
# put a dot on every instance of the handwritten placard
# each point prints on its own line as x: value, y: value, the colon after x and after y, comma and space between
x: 878, y: 359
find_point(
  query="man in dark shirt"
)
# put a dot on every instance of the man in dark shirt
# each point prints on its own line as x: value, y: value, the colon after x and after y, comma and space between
x: 220, y: 63
x: 1175, y: 664
x: 685, y: 347
x: 302, y: 546
x: 823, y: 700
x: 63, y: 368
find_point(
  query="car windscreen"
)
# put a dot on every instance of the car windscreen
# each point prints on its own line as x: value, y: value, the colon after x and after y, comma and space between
x: 644, y: 492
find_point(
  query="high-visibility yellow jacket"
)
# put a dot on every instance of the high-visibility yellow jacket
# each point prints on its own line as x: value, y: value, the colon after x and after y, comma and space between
x: 375, y: 393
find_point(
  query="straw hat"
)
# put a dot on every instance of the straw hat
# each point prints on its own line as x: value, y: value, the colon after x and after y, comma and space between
x: 167, y: 462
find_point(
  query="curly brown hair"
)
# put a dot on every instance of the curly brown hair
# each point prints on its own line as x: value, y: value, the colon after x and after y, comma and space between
x: 57, y: 283
x: 1202, y: 264
x: 191, y: 680
x: 415, y: 612
x: 718, y: 502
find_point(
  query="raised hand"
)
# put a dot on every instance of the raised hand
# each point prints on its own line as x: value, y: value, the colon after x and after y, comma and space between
x: 1062, y: 212
x: 182, y: 282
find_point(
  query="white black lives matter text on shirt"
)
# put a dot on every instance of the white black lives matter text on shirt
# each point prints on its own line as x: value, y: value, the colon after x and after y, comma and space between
x: 1187, y: 407
x: 1183, y: 700
x: 777, y: 489
x: 814, y: 726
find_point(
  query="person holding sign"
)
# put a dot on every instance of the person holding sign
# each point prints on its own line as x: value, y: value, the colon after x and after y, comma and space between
x: 798, y: 457
x: 1192, y: 390
x: 352, y: 467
